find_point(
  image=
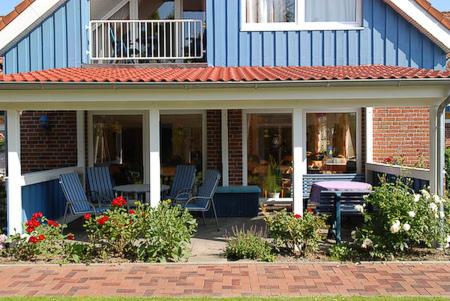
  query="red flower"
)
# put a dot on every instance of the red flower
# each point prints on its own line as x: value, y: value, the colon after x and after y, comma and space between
x: 33, y: 223
x: 310, y: 210
x: 70, y: 236
x: 37, y: 215
x: 131, y: 211
x: 119, y: 202
x: 33, y: 239
x: 30, y: 229
x: 41, y: 237
x: 297, y: 216
x: 53, y: 223
x: 87, y: 216
x: 102, y: 220
x: 388, y: 160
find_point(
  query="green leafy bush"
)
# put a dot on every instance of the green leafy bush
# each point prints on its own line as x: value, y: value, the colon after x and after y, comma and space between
x: 298, y: 234
x: 145, y: 233
x: 248, y: 244
x: 44, y: 240
x: 165, y: 232
x: 447, y: 169
x: 342, y: 252
x: 401, y: 220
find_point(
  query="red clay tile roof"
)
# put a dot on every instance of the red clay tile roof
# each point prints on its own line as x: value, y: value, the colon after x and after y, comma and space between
x: 222, y: 74
x: 438, y: 15
x: 5, y: 20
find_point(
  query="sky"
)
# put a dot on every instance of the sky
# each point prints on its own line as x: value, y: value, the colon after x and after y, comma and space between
x: 7, y: 5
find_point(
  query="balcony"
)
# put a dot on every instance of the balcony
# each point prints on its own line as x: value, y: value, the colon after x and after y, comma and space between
x: 147, y: 41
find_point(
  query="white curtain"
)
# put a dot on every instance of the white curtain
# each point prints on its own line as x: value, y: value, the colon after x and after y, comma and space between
x: 269, y: 11
x: 330, y: 10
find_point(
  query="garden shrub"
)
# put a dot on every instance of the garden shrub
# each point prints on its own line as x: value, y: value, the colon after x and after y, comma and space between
x: 43, y: 240
x: 343, y: 252
x: 401, y: 220
x: 145, y: 233
x: 166, y: 232
x: 248, y: 244
x: 447, y: 169
x: 298, y: 234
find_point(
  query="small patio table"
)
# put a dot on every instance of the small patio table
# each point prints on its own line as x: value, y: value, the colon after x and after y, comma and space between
x: 138, y: 189
x: 318, y: 187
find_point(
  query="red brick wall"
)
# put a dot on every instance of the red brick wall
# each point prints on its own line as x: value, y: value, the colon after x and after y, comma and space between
x: 214, y: 139
x: 55, y: 148
x: 401, y: 131
x: 447, y: 135
x: 235, y: 146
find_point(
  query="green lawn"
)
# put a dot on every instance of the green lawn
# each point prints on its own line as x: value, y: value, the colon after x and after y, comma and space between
x: 226, y: 299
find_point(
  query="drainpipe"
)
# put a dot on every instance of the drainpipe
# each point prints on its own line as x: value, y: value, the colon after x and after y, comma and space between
x: 441, y: 145
x: 440, y: 175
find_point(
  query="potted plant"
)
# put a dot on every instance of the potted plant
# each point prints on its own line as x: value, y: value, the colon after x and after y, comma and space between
x: 273, y: 179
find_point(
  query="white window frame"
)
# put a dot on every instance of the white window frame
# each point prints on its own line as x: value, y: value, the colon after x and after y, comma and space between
x: 358, y: 130
x: 300, y: 23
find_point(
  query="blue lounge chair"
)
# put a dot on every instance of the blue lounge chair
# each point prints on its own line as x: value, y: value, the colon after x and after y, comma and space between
x: 76, y: 199
x: 204, y: 200
x: 183, y: 183
x: 100, y: 185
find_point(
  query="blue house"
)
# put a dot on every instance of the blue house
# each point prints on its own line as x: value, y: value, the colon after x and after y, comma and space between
x: 247, y: 87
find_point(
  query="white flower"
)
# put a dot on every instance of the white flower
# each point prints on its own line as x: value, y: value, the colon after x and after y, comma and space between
x: 3, y: 238
x: 25, y: 236
x: 448, y: 239
x: 395, y: 227
x: 367, y: 243
x: 359, y: 208
x: 437, y: 199
x: 425, y: 194
x: 412, y: 214
x: 406, y: 227
x: 433, y: 207
x: 441, y: 214
x: 353, y: 234
x: 417, y: 197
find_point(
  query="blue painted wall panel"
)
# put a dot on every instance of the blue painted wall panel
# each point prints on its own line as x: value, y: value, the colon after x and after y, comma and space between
x: 386, y: 38
x: 46, y: 197
x: 60, y: 40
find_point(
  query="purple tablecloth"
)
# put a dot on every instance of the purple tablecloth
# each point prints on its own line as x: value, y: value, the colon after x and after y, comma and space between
x: 318, y: 187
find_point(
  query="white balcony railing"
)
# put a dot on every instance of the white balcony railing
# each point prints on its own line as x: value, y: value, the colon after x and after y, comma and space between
x: 139, y: 40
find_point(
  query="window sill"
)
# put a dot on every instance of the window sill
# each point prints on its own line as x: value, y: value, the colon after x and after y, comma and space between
x: 297, y: 27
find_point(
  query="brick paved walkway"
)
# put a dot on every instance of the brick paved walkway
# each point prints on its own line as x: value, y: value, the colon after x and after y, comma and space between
x: 227, y: 280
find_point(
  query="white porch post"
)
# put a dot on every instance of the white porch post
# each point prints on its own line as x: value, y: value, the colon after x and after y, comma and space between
x: 13, y: 186
x: 433, y: 150
x: 225, y: 167
x: 299, y: 163
x: 369, y: 141
x: 155, y: 164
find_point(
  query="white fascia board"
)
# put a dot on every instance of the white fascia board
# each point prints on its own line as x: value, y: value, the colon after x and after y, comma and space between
x: 32, y: 15
x: 426, y: 23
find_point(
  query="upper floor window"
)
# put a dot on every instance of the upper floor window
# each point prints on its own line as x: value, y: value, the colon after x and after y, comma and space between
x: 272, y: 15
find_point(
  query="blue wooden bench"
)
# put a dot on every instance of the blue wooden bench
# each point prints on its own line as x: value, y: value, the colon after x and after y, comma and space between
x: 310, y: 179
x: 338, y: 204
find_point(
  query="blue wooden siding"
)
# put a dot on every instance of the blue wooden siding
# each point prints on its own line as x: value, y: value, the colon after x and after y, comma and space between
x: 46, y: 197
x: 61, y: 40
x: 387, y: 38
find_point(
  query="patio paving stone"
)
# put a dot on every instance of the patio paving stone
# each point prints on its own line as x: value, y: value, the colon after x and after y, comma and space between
x: 230, y: 279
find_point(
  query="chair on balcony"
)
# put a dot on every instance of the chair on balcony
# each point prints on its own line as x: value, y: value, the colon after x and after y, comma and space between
x: 183, y: 183
x: 100, y: 185
x: 76, y: 199
x: 121, y: 48
x: 204, y: 200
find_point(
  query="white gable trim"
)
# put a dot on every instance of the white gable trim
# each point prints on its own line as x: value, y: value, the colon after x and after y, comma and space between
x: 420, y: 18
x: 32, y: 15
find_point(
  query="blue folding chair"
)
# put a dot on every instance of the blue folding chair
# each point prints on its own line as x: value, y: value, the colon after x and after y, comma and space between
x: 76, y: 199
x: 100, y: 184
x: 183, y: 183
x: 204, y: 200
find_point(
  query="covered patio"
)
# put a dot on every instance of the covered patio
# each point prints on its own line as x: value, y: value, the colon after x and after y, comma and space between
x: 305, y: 114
